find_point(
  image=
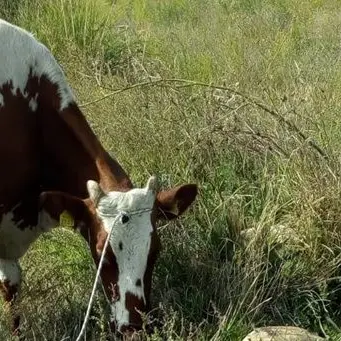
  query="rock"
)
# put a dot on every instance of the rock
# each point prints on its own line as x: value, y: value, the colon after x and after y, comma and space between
x: 281, y: 333
x: 277, y: 234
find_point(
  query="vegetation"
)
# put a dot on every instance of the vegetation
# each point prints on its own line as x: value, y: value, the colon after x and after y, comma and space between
x: 242, y: 97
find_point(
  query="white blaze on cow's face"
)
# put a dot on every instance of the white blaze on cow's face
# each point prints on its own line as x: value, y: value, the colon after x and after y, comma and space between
x: 130, y: 241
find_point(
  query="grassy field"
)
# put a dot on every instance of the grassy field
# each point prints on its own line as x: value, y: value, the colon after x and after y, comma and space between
x: 242, y: 97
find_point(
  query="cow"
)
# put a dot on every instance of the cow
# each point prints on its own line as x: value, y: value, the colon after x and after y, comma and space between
x: 52, y: 162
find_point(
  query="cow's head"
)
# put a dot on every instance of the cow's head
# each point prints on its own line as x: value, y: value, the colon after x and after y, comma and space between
x: 133, y: 245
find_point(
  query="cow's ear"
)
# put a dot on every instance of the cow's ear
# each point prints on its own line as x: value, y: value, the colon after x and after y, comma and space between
x: 55, y: 203
x: 95, y: 191
x: 173, y: 202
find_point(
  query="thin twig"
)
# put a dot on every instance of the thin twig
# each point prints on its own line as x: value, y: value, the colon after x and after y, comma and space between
x: 115, y: 92
x: 188, y: 83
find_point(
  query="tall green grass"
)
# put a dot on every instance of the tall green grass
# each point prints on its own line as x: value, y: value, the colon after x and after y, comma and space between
x: 255, y: 168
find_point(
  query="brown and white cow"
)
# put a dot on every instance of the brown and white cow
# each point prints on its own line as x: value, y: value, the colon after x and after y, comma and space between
x: 51, y: 161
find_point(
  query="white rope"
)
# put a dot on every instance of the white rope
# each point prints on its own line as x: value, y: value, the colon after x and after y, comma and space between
x: 100, y: 264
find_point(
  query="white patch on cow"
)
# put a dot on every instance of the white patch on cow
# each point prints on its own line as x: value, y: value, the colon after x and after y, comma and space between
x: 20, y: 54
x: 2, y: 101
x: 10, y: 271
x: 130, y: 242
x: 14, y: 241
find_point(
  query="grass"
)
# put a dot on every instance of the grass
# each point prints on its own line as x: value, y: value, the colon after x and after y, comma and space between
x: 255, y: 168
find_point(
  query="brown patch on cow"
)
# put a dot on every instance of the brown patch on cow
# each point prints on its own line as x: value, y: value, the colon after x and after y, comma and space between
x: 108, y: 172
x: 138, y: 283
x: 109, y: 276
x: 110, y: 271
x: 152, y: 257
x: 55, y: 203
x: 19, y: 151
x: 155, y: 248
x: 10, y: 293
x: 47, y: 161
x: 135, y: 306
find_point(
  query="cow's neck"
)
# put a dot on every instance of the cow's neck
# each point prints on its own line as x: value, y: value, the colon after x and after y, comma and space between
x: 73, y: 154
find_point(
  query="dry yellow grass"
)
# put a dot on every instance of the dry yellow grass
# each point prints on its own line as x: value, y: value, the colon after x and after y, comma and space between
x: 256, y: 168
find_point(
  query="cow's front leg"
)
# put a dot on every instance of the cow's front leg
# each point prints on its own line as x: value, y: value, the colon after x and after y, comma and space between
x: 10, y: 279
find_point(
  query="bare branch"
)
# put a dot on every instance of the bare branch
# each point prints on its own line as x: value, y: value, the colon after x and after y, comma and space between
x: 190, y: 83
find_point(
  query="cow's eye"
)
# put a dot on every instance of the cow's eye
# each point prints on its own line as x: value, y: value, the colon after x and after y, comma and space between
x: 125, y: 218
